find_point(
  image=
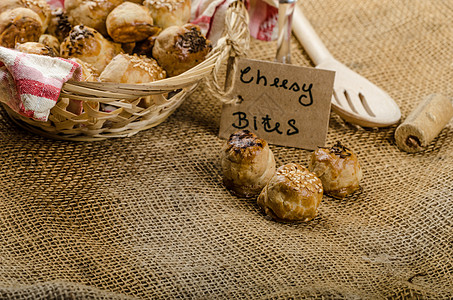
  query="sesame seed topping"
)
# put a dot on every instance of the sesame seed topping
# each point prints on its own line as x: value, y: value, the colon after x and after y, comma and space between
x: 299, y: 177
x: 147, y: 64
x: 170, y: 5
x: 92, y: 4
x: 38, y: 3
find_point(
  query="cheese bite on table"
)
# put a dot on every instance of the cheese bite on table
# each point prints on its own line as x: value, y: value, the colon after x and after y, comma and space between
x: 247, y: 164
x: 292, y: 194
x: 338, y: 168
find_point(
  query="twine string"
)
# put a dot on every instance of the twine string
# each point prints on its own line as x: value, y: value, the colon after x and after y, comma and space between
x: 234, y: 44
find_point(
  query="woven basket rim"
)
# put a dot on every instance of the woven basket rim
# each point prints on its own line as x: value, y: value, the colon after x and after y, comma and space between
x: 128, y: 115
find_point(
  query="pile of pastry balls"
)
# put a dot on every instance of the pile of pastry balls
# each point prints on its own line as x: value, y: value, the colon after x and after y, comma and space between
x: 113, y: 40
x: 290, y: 192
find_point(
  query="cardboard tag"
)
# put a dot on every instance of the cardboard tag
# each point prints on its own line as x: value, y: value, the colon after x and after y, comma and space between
x: 284, y: 104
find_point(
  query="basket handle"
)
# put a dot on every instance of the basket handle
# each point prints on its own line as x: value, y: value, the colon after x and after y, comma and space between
x: 233, y: 44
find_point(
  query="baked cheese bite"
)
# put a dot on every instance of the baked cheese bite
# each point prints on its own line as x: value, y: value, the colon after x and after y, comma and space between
x: 338, y: 168
x: 179, y: 48
x: 90, y: 46
x: 247, y: 164
x: 292, y: 194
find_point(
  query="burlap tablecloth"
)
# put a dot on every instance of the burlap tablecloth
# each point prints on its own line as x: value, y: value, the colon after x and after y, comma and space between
x: 148, y: 216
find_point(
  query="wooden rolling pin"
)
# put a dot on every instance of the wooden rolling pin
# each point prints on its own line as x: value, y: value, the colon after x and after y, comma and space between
x: 424, y: 123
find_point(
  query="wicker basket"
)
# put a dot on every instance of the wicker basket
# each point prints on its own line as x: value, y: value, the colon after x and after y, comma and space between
x: 130, y: 115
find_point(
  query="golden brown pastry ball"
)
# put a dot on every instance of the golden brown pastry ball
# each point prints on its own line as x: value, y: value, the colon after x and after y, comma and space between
x: 134, y: 69
x: 129, y: 22
x: 90, y: 46
x: 59, y: 25
x: 51, y: 42
x: 247, y: 164
x: 42, y: 8
x: 168, y: 13
x: 179, y: 48
x: 10, y: 4
x: 91, y: 13
x: 19, y: 25
x: 338, y: 168
x: 125, y: 68
x: 88, y: 72
x: 36, y: 48
x: 292, y: 194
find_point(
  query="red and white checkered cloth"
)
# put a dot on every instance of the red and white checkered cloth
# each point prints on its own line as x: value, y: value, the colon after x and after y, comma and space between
x: 56, y: 3
x: 30, y: 84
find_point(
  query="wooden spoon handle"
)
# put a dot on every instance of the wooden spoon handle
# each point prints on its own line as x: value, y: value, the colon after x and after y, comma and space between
x: 307, y: 36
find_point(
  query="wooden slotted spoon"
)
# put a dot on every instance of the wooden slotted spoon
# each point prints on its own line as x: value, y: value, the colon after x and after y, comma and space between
x: 355, y: 99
